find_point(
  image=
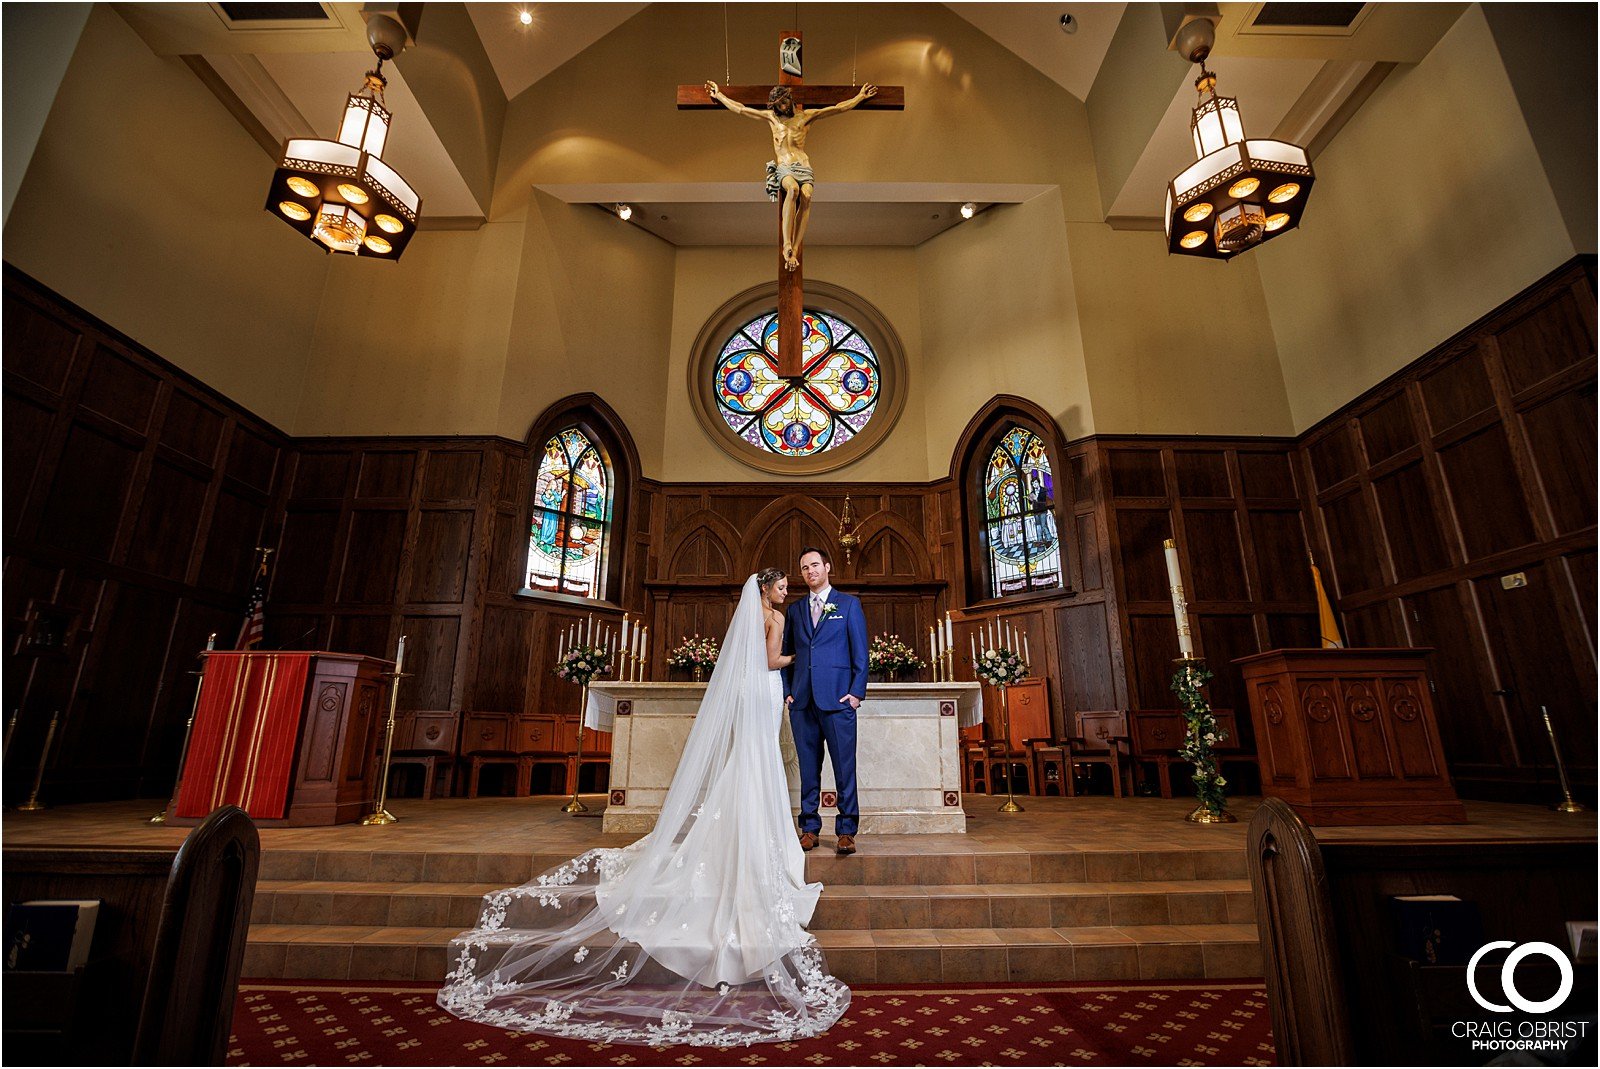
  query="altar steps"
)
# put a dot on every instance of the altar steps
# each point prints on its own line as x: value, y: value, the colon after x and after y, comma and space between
x: 890, y: 955
x: 955, y: 916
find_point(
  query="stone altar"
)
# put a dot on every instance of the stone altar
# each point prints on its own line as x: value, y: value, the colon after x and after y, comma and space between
x: 908, y: 762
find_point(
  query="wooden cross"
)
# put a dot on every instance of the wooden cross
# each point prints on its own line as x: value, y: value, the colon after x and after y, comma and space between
x: 791, y: 297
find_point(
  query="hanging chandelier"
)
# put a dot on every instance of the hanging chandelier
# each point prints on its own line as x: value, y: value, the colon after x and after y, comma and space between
x: 1240, y: 191
x: 341, y: 194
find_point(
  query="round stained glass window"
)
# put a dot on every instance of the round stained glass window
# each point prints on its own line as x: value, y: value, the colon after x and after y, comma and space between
x: 831, y: 403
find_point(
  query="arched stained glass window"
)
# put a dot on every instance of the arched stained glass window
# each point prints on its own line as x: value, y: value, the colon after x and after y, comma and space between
x: 833, y: 401
x: 571, y: 517
x: 1019, y: 516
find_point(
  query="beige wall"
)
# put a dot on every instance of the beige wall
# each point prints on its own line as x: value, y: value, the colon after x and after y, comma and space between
x: 1430, y: 209
x: 38, y: 41
x: 706, y: 278
x: 143, y: 205
x: 418, y: 346
x: 1000, y: 316
x: 592, y: 312
x: 1174, y: 344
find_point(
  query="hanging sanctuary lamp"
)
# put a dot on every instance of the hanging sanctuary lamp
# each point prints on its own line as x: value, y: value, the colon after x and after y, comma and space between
x: 341, y: 194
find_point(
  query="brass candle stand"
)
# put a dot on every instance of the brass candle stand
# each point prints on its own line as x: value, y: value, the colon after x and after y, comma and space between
x: 1568, y: 804
x: 380, y: 814
x: 1010, y: 805
x: 1188, y: 669
x: 11, y: 729
x: 33, y: 805
x: 188, y: 729
x: 574, y: 805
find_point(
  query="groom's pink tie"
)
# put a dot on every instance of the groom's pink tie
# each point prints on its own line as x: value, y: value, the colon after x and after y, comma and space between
x: 816, y: 610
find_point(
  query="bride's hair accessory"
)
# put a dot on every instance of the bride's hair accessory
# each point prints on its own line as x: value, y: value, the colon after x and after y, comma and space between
x: 767, y: 576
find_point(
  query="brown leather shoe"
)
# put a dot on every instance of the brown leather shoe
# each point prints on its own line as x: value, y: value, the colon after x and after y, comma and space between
x: 847, y: 845
x: 808, y: 841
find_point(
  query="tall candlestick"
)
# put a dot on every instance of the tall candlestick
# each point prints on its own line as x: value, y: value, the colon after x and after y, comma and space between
x: 973, y: 638
x: 933, y: 653
x: 1180, y: 607
x: 949, y: 632
x: 624, y: 643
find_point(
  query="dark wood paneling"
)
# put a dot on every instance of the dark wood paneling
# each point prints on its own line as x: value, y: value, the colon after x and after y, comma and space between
x: 1136, y: 473
x: 1280, y: 552
x: 1216, y: 555
x: 1547, y: 338
x: 1155, y: 647
x: 39, y: 345
x: 164, y: 525
x: 83, y: 510
x: 1561, y: 433
x: 372, y: 557
x: 321, y: 475
x: 451, y: 476
x: 192, y: 427
x: 1202, y: 473
x: 1456, y: 390
x: 304, y: 557
x: 431, y: 643
x: 120, y: 390
x: 1267, y: 475
x: 1088, y: 670
x: 1503, y: 482
x: 1486, y: 493
x: 386, y: 474
x: 1416, y: 545
x: 1355, y: 550
x: 1140, y: 534
x: 1387, y: 429
x: 443, y: 548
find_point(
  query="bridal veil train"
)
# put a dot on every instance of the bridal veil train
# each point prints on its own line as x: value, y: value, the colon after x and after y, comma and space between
x: 695, y: 933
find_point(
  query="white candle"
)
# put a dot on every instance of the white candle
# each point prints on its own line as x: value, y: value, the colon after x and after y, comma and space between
x: 1180, y: 607
x: 973, y: 638
x: 624, y: 643
x: 1027, y: 659
x: 949, y: 632
x: 561, y: 646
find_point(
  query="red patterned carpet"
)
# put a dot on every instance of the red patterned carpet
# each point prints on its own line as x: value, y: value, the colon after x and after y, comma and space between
x: 310, y: 1022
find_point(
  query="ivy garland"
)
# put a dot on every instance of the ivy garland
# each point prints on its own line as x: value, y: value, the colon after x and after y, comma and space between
x: 1201, y: 735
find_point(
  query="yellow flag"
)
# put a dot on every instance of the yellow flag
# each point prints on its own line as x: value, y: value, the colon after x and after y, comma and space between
x: 1327, y: 623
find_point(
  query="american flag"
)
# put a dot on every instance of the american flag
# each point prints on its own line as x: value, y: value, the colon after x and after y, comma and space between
x: 255, y: 620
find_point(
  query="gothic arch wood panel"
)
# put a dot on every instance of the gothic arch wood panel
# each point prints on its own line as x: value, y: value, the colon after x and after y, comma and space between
x: 778, y: 532
x: 703, y: 551
x: 891, y: 550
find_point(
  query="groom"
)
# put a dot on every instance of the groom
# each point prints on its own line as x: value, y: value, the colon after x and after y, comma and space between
x: 827, y: 634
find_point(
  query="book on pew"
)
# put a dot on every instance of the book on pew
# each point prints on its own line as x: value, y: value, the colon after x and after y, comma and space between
x: 49, y: 936
x: 1436, y: 929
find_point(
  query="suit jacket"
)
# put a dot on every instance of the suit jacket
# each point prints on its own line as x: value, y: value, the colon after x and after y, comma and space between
x: 830, y: 658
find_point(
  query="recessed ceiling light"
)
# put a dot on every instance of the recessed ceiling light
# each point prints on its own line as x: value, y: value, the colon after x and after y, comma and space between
x: 624, y: 212
x: 525, y: 17
x: 1069, y: 24
x: 968, y: 210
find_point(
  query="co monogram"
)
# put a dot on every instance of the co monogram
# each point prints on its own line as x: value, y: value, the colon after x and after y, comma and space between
x: 1508, y: 981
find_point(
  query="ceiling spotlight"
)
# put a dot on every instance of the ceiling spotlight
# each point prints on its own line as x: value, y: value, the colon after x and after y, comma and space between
x: 525, y: 17
x: 624, y: 212
x: 968, y: 210
x: 1069, y: 24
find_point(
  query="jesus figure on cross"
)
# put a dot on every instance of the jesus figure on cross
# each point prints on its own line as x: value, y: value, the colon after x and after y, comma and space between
x: 790, y: 177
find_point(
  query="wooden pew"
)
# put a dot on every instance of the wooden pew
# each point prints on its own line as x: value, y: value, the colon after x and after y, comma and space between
x: 1340, y: 991
x: 164, y: 965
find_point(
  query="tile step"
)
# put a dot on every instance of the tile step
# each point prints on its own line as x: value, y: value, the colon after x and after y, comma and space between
x: 987, y: 955
x: 858, y: 907
x: 904, y: 867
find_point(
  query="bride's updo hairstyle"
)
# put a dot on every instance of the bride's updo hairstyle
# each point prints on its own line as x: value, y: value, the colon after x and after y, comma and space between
x: 767, y: 576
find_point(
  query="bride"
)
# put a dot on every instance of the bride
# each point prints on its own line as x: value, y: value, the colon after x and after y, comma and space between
x: 695, y: 933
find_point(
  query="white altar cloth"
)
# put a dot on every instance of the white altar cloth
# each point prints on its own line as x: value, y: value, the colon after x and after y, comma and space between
x: 908, y: 761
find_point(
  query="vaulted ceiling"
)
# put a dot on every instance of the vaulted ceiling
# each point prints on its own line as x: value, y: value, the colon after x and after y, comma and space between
x: 1302, y: 70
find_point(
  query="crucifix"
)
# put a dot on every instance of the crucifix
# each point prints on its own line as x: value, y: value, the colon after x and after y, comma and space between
x: 789, y: 177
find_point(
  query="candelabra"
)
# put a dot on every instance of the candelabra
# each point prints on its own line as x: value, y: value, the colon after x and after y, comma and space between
x: 380, y: 813
x: 188, y: 729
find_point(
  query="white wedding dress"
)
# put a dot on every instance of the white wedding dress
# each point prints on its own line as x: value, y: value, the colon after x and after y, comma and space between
x: 695, y: 933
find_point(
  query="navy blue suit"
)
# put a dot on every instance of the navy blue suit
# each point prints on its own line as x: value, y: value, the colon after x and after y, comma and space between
x: 830, y: 661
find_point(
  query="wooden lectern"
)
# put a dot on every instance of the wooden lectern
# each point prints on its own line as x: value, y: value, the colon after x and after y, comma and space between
x: 1350, y: 736
x: 289, y: 737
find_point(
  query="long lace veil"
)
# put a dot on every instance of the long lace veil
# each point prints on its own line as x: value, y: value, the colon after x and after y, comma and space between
x: 695, y: 933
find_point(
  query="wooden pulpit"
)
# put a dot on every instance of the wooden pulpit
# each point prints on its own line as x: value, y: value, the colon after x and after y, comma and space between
x: 1350, y: 736
x: 289, y: 737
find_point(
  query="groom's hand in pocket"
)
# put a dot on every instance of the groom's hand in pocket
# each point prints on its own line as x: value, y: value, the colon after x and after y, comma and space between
x: 851, y: 700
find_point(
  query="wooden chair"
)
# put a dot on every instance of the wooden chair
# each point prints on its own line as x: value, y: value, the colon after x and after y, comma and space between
x: 1157, y: 735
x: 428, y: 762
x: 1050, y: 767
x: 1002, y: 764
x: 1099, y: 738
x: 974, y: 766
x: 537, y: 749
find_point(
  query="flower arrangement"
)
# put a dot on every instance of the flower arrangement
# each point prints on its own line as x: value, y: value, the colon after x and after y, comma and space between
x: 1202, y: 734
x: 890, y: 655
x: 696, y: 654
x: 1000, y: 667
x: 580, y: 664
